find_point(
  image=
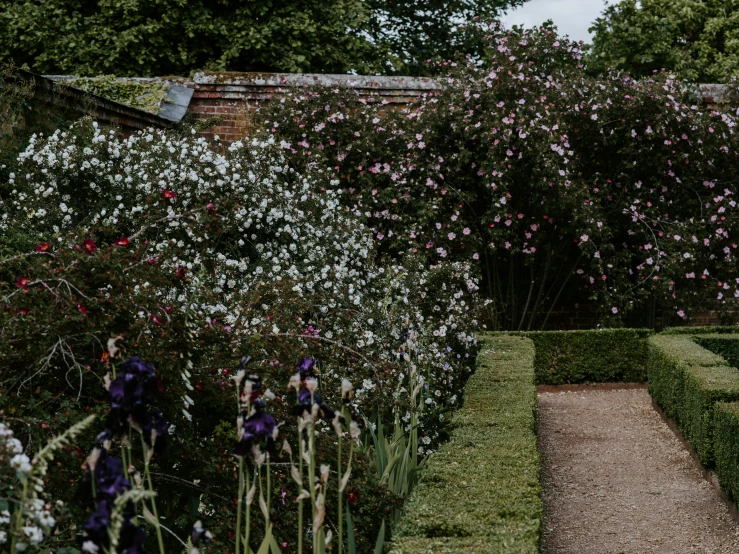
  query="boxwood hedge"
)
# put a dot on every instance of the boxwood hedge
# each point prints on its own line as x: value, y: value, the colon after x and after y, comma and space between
x: 726, y: 346
x: 687, y: 381
x: 481, y: 491
x: 726, y: 447
x: 708, y: 330
x: 594, y: 356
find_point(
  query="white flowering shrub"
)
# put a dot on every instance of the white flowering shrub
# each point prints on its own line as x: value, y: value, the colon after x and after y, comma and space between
x: 26, y: 516
x: 194, y: 253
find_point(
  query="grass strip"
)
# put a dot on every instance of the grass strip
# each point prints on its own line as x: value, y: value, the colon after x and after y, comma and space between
x: 481, y: 492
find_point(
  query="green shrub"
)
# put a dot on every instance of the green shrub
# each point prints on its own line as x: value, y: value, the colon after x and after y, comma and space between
x: 704, y: 386
x: 481, y: 491
x: 726, y: 346
x: 597, y: 356
x: 669, y: 357
x: 726, y: 446
x: 686, y: 381
x: 709, y: 330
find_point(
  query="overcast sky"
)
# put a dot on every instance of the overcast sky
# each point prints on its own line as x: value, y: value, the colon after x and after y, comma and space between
x: 573, y: 17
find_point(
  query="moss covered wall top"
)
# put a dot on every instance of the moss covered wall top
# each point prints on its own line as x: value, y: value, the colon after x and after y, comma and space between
x: 146, y: 95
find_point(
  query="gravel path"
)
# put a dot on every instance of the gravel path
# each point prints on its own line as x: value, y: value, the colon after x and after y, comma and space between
x: 617, y: 480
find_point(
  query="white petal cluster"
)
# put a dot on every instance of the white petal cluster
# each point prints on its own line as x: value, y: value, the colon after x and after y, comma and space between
x: 37, y: 514
x: 269, y: 235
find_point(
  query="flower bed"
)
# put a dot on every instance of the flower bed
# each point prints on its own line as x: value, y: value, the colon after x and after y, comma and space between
x: 192, y: 254
x: 481, y: 491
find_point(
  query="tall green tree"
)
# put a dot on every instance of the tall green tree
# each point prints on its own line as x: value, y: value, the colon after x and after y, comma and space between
x: 415, y: 31
x: 696, y: 39
x: 177, y: 37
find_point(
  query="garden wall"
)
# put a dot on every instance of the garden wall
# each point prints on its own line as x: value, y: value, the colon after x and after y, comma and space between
x: 237, y: 96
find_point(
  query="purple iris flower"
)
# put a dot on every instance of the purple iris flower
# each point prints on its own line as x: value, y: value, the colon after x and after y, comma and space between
x: 133, y: 391
x: 305, y: 367
x: 109, y: 479
x: 96, y: 527
x: 305, y: 405
x: 136, y: 382
x: 109, y: 484
x: 260, y: 425
x: 200, y: 535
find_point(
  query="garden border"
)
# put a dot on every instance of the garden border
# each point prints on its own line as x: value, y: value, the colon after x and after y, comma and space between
x: 498, y: 505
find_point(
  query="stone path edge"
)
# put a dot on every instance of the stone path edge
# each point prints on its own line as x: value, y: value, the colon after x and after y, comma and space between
x: 594, y: 386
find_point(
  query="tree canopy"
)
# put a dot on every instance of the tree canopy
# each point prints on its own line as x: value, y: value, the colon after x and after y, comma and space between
x: 696, y: 39
x: 178, y: 37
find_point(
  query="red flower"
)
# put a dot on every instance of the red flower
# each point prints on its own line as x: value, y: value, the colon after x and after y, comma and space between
x: 43, y: 247
x: 154, y: 319
x: 104, y: 357
x: 168, y: 309
x: 123, y: 241
x: 22, y: 283
x: 89, y: 246
x: 22, y: 311
x: 81, y: 308
x: 169, y: 194
x: 353, y: 497
x: 180, y: 272
x: 151, y: 261
x: 210, y: 206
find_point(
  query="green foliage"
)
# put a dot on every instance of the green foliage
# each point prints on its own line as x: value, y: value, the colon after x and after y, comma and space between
x: 144, y: 95
x: 698, y: 40
x: 562, y: 188
x: 136, y: 38
x: 709, y: 330
x: 704, y: 387
x: 726, y: 447
x: 726, y: 346
x: 686, y: 381
x: 669, y: 357
x: 481, y: 491
x: 416, y: 31
x: 598, y: 356
x: 397, y: 466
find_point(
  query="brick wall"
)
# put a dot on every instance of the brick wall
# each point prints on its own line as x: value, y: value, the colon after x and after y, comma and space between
x: 236, y: 96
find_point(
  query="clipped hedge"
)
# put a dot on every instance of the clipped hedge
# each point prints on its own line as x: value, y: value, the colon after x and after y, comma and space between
x: 596, y: 356
x: 481, y: 491
x: 726, y: 447
x: 669, y: 357
x: 707, y: 330
x: 687, y: 381
x: 726, y: 346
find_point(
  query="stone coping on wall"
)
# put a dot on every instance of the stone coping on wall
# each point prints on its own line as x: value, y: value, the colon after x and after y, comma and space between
x: 235, y: 96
